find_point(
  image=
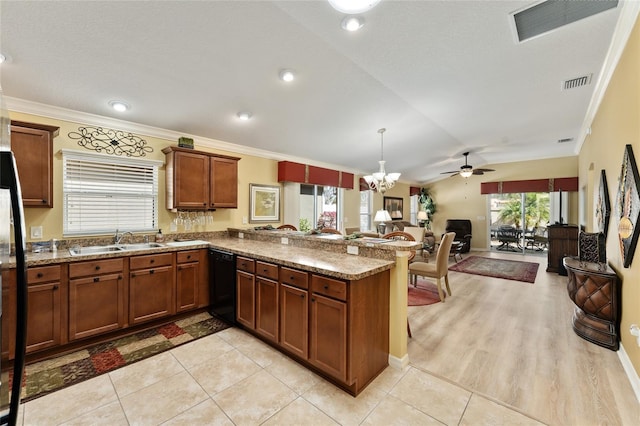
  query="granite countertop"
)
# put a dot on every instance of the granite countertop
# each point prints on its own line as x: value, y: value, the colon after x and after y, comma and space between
x: 326, y: 262
x: 329, y: 263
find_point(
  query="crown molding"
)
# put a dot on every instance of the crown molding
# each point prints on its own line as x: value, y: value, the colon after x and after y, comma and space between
x: 626, y: 22
x: 58, y: 113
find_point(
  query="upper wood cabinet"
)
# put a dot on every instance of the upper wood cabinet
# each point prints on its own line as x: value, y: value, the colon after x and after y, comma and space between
x: 32, y: 145
x: 199, y: 180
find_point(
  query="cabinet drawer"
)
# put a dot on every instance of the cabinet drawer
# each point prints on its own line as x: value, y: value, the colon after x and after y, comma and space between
x: 93, y: 267
x: 329, y: 287
x: 267, y: 270
x: 244, y: 264
x: 293, y: 277
x: 43, y: 274
x: 150, y: 261
x: 188, y: 256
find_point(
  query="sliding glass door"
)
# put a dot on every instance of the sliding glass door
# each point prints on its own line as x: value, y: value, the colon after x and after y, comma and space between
x: 518, y: 221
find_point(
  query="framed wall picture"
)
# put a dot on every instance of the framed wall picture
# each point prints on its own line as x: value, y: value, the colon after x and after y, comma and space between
x: 264, y: 203
x: 394, y: 206
x: 628, y: 206
x: 603, y: 206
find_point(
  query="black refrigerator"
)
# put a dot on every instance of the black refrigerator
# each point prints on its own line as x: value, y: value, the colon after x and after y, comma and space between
x: 12, y: 243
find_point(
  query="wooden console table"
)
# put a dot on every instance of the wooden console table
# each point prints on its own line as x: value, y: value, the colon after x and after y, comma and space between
x: 563, y: 241
x: 595, y: 290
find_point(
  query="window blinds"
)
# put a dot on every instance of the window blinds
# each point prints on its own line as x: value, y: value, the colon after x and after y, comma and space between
x: 103, y: 193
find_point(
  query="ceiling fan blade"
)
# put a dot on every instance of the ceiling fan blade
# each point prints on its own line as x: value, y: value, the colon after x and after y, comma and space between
x: 477, y: 172
x: 484, y: 170
x: 446, y: 173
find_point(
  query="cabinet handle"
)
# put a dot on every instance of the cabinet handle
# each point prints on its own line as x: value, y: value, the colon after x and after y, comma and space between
x: 96, y: 279
x: 189, y: 257
x: 151, y: 271
x: 55, y: 287
x: 292, y: 278
x: 133, y: 275
x: 313, y: 300
x: 97, y: 267
x: 302, y: 296
x: 119, y: 277
x: 39, y: 275
x: 326, y: 287
x: 44, y: 201
x: 152, y: 261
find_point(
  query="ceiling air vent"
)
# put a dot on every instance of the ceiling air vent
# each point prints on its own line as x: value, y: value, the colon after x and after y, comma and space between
x: 565, y: 140
x: 576, y: 82
x: 552, y: 14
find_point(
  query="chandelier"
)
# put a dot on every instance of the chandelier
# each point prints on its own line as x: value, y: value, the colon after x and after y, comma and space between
x: 381, y: 181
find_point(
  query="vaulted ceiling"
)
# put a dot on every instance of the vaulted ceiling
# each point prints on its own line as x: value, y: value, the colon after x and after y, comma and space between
x: 443, y: 77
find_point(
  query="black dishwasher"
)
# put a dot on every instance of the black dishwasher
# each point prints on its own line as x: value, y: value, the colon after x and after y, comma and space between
x: 222, y: 284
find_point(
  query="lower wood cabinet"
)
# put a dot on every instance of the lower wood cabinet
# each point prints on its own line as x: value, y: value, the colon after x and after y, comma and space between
x: 338, y: 328
x: 8, y: 331
x: 187, y: 280
x: 44, y: 307
x: 96, y: 297
x: 151, y: 287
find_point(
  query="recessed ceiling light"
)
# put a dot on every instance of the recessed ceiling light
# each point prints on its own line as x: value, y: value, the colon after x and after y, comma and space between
x: 244, y: 116
x: 286, y: 75
x: 353, y: 6
x: 119, y: 106
x: 352, y: 23
x: 2, y: 58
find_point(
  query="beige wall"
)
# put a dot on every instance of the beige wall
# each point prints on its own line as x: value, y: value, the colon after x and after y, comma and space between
x: 459, y: 198
x: 250, y: 170
x: 616, y: 124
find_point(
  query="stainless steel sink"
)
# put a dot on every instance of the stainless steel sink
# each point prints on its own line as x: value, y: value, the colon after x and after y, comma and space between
x: 79, y: 251
x: 141, y: 246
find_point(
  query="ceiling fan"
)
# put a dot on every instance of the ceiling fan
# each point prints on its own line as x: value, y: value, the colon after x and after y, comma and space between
x: 467, y: 170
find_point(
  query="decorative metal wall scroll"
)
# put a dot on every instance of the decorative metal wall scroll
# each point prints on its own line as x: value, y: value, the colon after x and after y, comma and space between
x: 108, y: 141
x: 628, y: 206
x: 603, y: 206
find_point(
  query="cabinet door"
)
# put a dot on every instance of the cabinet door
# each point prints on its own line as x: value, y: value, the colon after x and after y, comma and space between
x: 187, y: 281
x: 294, y: 320
x: 151, y: 294
x: 328, y: 335
x: 33, y: 150
x: 43, y: 316
x: 224, y: 183
x: 96, y: 305
x: 8, y: 316
x: 267, y: 308
x: 246, y: 297
x: 191, y: 181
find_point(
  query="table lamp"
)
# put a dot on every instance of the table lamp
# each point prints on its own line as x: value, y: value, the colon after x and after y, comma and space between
x: 423, y: 217
x: 381, y: 216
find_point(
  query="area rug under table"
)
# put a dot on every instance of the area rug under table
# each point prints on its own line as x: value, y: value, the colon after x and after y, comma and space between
x: 425, y: 293
x: 498, y: 268
x: 53, y: 374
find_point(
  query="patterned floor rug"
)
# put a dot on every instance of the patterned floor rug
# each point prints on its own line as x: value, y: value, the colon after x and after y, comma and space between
x: 425, y: 293
x: 53, y: 374
x: 498, y: 268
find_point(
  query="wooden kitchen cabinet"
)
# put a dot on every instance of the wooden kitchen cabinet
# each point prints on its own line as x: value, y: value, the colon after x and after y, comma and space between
x: 151, y: 287
x: 197, y: 180
x: 328, y: 326
x: 44, y: 307
x: 294, y: 312
x: 96, y: 297
x: 187, y: 280
x: 246, y: 292
x: 267, y: 300
x: 9, y: 313
x: 32, y: 145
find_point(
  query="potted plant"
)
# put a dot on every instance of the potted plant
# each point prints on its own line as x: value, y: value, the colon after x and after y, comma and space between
x: 428, y: 205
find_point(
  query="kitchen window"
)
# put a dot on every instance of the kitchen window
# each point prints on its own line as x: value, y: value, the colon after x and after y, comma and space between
x: 103, y: 193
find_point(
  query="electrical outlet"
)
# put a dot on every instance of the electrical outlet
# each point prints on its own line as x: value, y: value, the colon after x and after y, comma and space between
x: 352, y: 250
x: 284, y: 240
x: 240, y: 235
x: 244, y: 220
x: 36, y: 232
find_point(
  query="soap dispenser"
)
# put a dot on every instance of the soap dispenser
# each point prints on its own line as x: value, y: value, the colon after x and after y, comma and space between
x: 159, y: 236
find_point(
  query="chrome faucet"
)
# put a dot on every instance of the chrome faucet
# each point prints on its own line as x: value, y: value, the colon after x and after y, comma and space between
x: 118, y: 237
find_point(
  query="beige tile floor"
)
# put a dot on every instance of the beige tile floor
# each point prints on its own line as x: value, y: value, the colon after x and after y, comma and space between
x: 232, y: 378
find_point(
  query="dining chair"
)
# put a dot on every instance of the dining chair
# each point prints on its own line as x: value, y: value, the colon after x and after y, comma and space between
x: 439, y: 269
x: 289, y: 227
x: 402, y: 236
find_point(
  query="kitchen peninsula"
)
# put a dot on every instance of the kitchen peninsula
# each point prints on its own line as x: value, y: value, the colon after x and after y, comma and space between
x: 309, y: 299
